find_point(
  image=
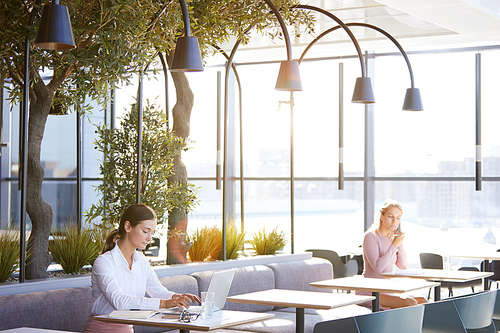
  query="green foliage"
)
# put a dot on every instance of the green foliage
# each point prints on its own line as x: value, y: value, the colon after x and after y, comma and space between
x: 9, y: 254
x: 235, y: 240
x: 74, y: 249
x: 268, y: 243
x: 116, y: 38
x: 205, y: 244
x: 119, y: 168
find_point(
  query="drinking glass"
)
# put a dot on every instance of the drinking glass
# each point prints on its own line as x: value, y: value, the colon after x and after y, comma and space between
x: 207, y: 304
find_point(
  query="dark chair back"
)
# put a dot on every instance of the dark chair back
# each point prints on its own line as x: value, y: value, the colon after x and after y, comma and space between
x: 468, y: 314
x: 477, y: 310
x: 408, y: 320
x: 339, y: 268
x: 431, y: 261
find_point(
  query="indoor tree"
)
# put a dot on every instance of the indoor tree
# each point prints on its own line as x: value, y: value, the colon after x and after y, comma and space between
x: 114, y: 39
x: 119, y: 168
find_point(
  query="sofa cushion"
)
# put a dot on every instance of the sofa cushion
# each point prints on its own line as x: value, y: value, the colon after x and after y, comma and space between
x: 181, y: 284
x: 246, y: 280
x: 296, y: 275
x: 59, y: 309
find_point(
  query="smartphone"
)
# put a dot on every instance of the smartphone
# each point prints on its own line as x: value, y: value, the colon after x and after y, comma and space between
x: 399, y: 228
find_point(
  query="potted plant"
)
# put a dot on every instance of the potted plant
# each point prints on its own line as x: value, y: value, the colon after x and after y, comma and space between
x: 266, y: 243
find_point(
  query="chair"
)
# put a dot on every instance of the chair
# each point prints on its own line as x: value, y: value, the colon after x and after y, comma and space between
x: 495, y: 268
x: 468, y: 314
x: 408, y: 320
x: 339, y: 268
x: 476, y: 311
x: 435, y: 261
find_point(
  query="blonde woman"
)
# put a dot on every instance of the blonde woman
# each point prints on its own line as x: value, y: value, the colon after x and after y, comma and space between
x: 121, y: 276
x: 383, y: 248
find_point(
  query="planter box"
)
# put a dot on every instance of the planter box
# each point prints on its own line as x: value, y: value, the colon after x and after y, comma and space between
x: 162, y: 271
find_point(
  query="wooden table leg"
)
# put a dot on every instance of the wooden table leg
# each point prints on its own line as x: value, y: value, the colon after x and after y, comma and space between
x: 376, y: 302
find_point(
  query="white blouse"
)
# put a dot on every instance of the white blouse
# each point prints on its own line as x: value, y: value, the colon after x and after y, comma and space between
x: 116, y: 287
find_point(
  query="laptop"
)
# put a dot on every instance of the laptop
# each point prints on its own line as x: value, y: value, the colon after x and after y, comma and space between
x: 219, y: 285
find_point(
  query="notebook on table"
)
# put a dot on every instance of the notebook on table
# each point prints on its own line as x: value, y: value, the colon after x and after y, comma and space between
x: 219, y: 285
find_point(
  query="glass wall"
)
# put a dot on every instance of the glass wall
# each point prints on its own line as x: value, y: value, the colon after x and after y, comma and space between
x: 423, y: 159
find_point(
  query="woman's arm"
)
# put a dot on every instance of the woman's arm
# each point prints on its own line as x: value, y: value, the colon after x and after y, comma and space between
x: 107, y: 277
x: 402, y: 261
x: 379, y: 262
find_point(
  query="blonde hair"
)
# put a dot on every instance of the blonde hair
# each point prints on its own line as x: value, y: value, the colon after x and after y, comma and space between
x: 385, y: 206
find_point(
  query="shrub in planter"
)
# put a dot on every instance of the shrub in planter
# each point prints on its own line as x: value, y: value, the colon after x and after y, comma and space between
x: 9, y: 254
x: 205, y: 244
x: 268, y: 243
x: 75, y: 249
x: 235, y: 240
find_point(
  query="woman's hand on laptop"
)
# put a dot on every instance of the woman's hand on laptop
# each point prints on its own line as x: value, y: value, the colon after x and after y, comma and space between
x: 179, y: 300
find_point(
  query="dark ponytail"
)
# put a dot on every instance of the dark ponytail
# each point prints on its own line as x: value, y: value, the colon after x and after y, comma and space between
x: 135, y: 214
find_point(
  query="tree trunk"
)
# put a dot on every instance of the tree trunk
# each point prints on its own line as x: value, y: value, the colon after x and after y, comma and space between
x: 181, y: 113
x: 39, y: 211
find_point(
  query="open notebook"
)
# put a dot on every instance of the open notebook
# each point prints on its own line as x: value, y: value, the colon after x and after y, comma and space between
x: 138, y: 314
x: 219, y: 285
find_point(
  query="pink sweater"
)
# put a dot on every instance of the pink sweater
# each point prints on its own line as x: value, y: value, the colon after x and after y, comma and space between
x: 380, y: 255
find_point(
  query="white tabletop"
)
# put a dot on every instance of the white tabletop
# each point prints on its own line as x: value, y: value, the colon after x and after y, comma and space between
x: 439, y: 275
x: 486, y: 255
x: 220, y: 319
x: 299, y: 299
x: 358, y: 282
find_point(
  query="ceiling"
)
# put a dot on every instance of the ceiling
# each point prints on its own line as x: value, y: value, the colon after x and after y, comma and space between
x: 416, y: 24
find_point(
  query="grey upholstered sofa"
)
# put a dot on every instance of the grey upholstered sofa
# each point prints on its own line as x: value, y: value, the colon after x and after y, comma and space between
x: 68, y: 309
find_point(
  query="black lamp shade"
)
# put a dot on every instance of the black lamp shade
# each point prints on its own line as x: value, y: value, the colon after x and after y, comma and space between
x: 187, y: 57
x: 363, y: 91
x: 412, y: 102
x: 289, y: 76
x: 55, y: 32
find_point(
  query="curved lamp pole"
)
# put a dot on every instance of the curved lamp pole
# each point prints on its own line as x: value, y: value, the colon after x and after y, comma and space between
x: 363, y: 91
x: 54, y: 33
x: 412, y: 100
x: 187, y: 57
x: 288, y: 80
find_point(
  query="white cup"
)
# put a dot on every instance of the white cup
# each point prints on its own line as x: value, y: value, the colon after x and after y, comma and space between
x: 207, y: 304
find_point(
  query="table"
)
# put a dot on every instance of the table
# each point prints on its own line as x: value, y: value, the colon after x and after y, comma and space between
x: 438, y: 275
x: 32, y: 330
x: 486, y: 256
x: 300, y: 300
x: 220, y: 319
x: 375, y: 286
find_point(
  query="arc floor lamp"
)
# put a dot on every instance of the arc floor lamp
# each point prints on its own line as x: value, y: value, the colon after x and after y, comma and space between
x: 288, y: 80
x: 54, y: 33
x: 412, y: 101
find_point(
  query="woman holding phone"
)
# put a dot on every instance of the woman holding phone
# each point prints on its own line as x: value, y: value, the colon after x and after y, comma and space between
x: 383, y: 248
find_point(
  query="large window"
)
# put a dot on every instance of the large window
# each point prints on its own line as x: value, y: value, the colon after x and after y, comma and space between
x: 425, y: 159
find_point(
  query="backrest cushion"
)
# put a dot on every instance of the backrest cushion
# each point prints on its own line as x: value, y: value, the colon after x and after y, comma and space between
x: 296, y: 275
x: 180, y: 284
x: 246, y: 280
x: 60, y: 309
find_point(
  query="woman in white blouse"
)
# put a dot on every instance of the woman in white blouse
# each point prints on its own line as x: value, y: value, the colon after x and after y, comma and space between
x: 121, y: 276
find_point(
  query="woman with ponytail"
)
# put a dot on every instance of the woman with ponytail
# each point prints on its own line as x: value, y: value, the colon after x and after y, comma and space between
x: 121, y: 276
